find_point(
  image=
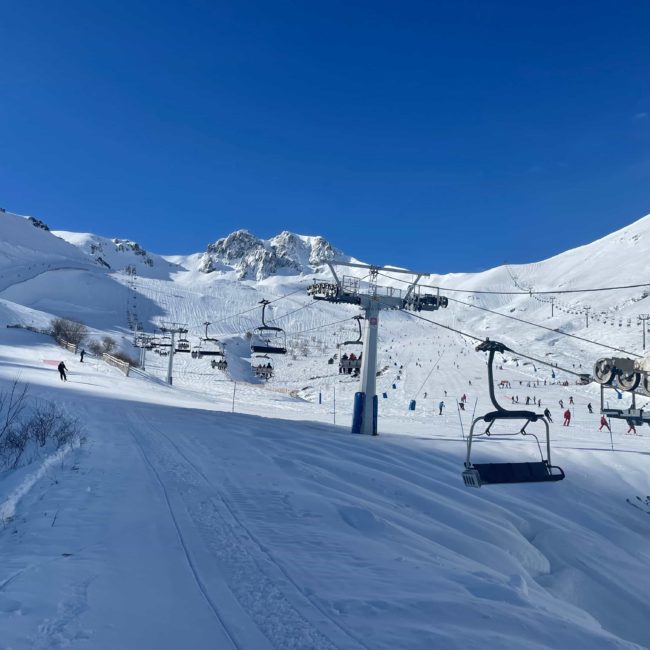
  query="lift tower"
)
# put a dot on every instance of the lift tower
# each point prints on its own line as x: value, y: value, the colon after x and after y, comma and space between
x: 172, y: 330
x: 372, y: 298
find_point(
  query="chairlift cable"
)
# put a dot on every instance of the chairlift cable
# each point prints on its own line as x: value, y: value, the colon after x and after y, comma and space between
x: 522, y: 292
x: 544, y: 327
x: 514, y: 352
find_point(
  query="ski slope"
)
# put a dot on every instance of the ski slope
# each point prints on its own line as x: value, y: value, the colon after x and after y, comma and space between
x: 224, y: 512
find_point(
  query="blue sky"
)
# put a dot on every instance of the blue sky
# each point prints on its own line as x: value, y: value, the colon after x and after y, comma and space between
x: 444, y: 135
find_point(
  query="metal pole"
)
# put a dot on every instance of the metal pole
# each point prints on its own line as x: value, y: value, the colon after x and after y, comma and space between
x: 552, y: 299
x: 334, y: 387
x: 587, y: 308
x: 644, y: 318
x: 369, y: 366
x: 170, y: 364
x: 234, y: 390
x: 462, y: 430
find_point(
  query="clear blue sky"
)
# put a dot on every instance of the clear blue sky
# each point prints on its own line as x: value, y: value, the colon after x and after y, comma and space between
x: 443, y: 135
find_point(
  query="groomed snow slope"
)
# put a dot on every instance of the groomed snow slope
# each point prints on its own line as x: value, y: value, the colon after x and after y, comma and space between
x: 182, y: 524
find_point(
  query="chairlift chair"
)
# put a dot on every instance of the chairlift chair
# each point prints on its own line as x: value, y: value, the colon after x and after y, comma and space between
x: 270, y: 340
x: 209, y: 346
x: 477, y: 474
x: 183, y: 345
x: 349, y: 366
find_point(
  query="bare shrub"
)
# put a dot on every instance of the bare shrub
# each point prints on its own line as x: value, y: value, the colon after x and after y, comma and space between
x: 68, y: 330
x: 123, y: 356
x: 27, y: 426
x: 108, y: 344
x: 96, y: 348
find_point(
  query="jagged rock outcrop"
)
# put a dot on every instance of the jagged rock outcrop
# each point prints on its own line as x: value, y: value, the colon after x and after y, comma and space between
x: 255, y: 258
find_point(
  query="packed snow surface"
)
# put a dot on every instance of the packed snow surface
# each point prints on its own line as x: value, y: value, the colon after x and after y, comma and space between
x: 225, y: 512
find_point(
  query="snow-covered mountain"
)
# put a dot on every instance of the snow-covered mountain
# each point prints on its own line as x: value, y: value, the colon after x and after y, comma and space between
x: 254, y: 258
x: 297, y: 533
x: 119, y: 254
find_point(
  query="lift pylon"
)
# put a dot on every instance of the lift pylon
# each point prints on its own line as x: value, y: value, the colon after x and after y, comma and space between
x: 371, y: 299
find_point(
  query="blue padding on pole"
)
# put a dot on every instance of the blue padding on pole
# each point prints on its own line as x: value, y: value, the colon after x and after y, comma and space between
x: 375, y: 414
x: 357, y: 414
x: 412, y: 405
x: 385, y: 395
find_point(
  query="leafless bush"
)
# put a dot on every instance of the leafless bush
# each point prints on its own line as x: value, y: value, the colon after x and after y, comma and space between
x: 31, y: 426
x: 123, y: 356
x: 68, y: 330
x: 96, y: 348
x: 107, y: 344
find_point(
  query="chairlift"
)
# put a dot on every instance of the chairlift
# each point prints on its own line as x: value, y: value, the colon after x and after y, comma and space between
x: 270, y: 340
x: 183, y: 343
x: 350, y: 363
x: 262, y: 371
x: 477, y: 474
x: 208, y: 346
x: 222, y: 364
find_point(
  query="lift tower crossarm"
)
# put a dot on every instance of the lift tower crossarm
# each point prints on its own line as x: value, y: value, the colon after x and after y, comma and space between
x: 371, y: 299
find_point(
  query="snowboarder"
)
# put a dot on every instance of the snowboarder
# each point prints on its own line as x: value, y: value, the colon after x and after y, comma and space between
x: 61, y: 367
x: 567, y: 418
x: 604, y: 423
x: 547, y: 414
x: 462, y: 405
x: 589, y: 408
x: 81, y: 355
x: 440, y: 407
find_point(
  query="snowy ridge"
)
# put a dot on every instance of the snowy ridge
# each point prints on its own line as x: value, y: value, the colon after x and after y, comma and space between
x: 254, y: 258
x: 269, y: 527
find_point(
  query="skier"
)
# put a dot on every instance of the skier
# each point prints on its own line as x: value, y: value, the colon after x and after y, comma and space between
x: 547, y: 415
x: 570, y: 399
x: 561, y: 404
x: 463, y: 399
x: 589, y: 407
x: 527, y: 400
x: 567, y: 418
x: 82, y: 354
x: 632, y: 428
x: 61, y: 367
x: 604, y: 423
x: 462, y: 405
x: 441, y: 406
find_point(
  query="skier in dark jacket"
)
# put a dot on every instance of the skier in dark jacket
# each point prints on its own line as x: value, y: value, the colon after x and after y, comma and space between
x: 547, y: 415
x: 62, y: 370
x: 81, y: 355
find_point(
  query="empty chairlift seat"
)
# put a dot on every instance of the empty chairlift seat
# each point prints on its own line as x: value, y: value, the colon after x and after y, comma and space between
x: 478, y: 474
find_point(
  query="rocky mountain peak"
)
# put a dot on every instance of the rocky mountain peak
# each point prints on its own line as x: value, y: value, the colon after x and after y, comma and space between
x: 254, y: 258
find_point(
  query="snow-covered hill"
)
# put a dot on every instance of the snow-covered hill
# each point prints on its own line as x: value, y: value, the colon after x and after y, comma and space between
x: 271, y: 526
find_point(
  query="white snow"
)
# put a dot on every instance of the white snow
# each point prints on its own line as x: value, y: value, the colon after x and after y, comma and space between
x: 182, y: 524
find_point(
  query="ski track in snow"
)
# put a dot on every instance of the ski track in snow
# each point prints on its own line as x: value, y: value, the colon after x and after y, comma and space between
x: 181, y: 524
